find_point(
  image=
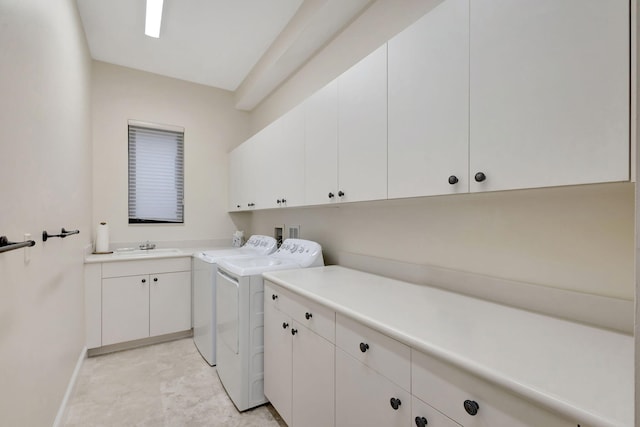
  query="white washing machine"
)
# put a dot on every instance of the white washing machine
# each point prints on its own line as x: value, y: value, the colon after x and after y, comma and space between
x: 240, y: 317
x: 204, y: 289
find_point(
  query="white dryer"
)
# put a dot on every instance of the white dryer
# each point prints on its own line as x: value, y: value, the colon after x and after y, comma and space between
x: 240, y: 317
x: 204, y: 289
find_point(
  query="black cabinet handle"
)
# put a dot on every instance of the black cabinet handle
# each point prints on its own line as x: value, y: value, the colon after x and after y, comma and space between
x: 238, y: 206
x: 308, y: 315
x: 284, y: 200
x: 285, y: 325
x: 294, y: 331
x: 155, y: 279
x: 340, y: 193
x: 364, y: 347
x: 471, y: 406
x: 331, y: 195
x: 453, y: 179
x: 421, y: 421
x: 395, y: 403
x: 144, y: 280
x: 278, y: 201
x: 480, y: 176
x: 274, y: 297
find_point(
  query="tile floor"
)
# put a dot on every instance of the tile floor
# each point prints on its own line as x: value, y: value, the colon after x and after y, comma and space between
x: 166, y: 384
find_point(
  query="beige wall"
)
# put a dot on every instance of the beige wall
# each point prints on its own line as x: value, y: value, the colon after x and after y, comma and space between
x: 45, y: 182
x: 577, y: 238
x: 212, y: 128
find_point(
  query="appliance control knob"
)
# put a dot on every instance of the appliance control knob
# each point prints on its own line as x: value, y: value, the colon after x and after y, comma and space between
x: 331, y: 195
x: 480, y: 176
x: 471, y: 406
x: 364, y: 347
x: 453, y: 179
x: 294, y: 247
x: 285, y: 325
x: 421, y: 421
x: 340, y: 193
x: 308, y: 315
x: 274, y: 297
x: 395, y: 403
x: 301, y: 250
x: 294, y: 331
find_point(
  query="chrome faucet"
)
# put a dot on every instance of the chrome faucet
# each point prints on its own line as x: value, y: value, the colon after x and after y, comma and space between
x: 146, y: 246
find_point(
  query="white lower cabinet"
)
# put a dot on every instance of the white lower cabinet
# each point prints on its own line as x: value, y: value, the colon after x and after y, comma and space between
x: 298, y: 362
x: 366, y: 398
x: 136, y: 299
x: 370, y: 379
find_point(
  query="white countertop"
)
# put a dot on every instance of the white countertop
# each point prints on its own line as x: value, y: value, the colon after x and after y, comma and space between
x: 583, y: 372
x: 140, y: 255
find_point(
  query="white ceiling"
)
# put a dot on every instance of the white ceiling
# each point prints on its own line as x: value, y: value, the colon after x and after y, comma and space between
x: 217, y: 42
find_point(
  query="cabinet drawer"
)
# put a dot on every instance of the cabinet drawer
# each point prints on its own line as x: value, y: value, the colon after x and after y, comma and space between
x: 312, y: 315
x: 363, y: 396
x: 135, y: 267
x: 423, y: 414
x: 446, y: 388
x: 277, y: 297
x: 385, y: 355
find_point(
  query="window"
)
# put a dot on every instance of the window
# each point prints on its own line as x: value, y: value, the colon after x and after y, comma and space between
x: 156, y: 173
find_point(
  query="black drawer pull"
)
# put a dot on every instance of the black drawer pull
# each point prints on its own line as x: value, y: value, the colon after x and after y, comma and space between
x: 364, y: 347
x: 395, y: 403
x: 471, y: 406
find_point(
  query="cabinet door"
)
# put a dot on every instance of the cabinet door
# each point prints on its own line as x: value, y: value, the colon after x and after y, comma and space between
x: 549, y: 86
x: 236, y: 179
x: 313, y: 379
x: 289, y: 159
x: 278, y: 360
x: 125, y: 309
x: 362, y: 129
x: 263, y: 166
x: 363, y: 397
x: 429, y: 104
x: 169, y: 303
x: 321, y: 146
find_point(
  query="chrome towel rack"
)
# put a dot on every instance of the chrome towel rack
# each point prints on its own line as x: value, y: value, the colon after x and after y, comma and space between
x: 63, y: 233
x: 6, y: 245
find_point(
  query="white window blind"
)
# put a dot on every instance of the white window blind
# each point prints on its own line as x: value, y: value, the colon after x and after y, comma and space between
x: 156, y: 175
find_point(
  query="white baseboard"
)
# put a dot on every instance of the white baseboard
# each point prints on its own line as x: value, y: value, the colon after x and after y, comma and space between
x: 62, y: 411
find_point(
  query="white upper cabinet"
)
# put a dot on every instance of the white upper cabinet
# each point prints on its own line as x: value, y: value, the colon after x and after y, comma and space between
x: 549, y: 92
x: 429, y: 104
x: 289, y: 160
x: 362, y: 129
x: 321, y: 146
x: 265, y: 169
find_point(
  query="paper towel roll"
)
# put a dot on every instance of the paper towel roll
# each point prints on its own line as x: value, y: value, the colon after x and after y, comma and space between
x: 102, y: 237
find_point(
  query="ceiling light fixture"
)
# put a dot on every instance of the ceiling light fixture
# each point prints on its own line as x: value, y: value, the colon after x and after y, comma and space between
x: 154, y: 18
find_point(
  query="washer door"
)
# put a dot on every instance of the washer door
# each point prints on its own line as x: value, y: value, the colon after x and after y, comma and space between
x: 227, y: 315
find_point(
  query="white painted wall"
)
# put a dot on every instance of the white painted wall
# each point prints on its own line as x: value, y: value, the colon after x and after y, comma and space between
x: 577, y: 238
x: 212, y: 128
x: 45, y: 183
